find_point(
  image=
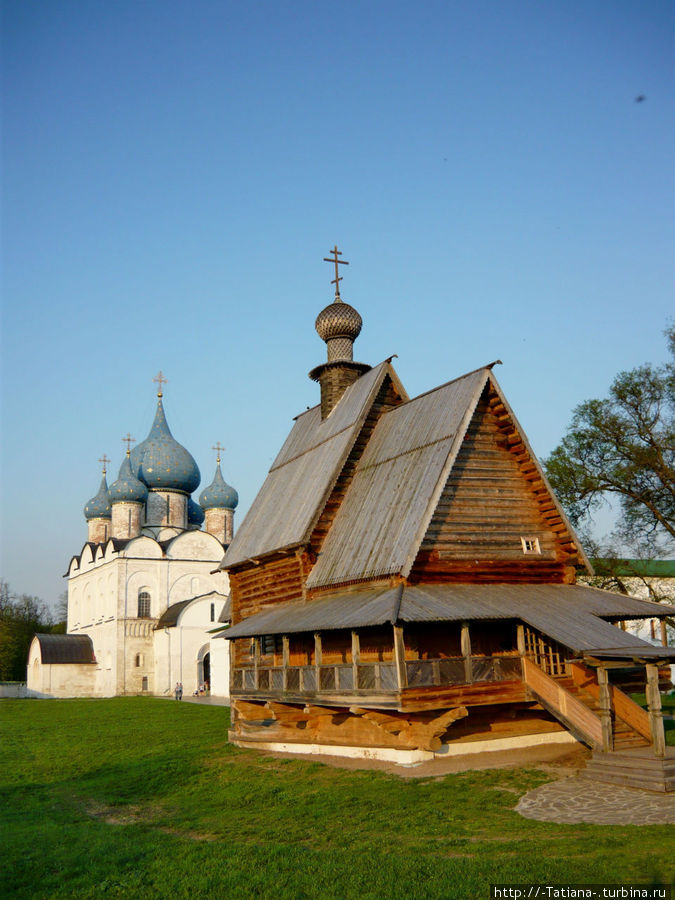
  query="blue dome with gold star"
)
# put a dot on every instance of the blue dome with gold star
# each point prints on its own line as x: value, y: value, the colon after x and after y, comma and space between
x: 195, y: 514
x: 161, y: 462
x: 99, y: 506
x: 127, y: 487
x: 219, y: 494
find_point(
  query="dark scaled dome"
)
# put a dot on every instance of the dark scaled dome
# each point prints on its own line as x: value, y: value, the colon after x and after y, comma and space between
x: 339, y: 320
x: 127, y: 487
x: 195, y: 514
x: 161, y: 462
x: 99, y: 506
x: 219, y: 494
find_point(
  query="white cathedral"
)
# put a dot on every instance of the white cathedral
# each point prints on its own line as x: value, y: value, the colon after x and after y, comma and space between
x: 144, y: 594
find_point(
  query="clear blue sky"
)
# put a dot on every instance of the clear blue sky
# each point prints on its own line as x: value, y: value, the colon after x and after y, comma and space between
x: 173, y: 174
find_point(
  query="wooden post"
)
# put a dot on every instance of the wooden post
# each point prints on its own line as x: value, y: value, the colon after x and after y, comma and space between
x: 520, y: 639
x: 256, y: 661
x: 286, y: 654
x: 317, y: 659
x: 655, y: 714
x: 664, y: 633
x: 356, y: 658
x: 399, y: 656
x: 520, y: 644
x: 466, y: 653
x: 605, y: 700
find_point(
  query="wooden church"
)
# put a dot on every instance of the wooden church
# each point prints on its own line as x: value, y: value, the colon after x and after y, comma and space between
x: 403, y: 586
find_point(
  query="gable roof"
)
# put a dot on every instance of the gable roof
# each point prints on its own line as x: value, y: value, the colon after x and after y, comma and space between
x: 295, y: 491
x: 170, y: 616
x: 380, y: 525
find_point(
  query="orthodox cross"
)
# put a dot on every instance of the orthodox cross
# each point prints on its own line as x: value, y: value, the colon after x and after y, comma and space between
x: 128, y: 440
x: 337, y: 262
x: 104, y: 459
x: 218, y: 448
x: 160, y: 379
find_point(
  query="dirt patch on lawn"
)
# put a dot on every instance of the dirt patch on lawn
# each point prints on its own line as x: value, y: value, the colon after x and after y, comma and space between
x: 118, y: 815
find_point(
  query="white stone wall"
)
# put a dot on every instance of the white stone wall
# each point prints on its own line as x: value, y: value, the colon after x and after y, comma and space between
x: 179, y: 651
x: 220, y: 667
x: 103, y: 602
x: 63, y: 680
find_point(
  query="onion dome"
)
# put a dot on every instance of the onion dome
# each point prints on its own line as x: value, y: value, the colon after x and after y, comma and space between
x: 161, y: 462
x: 339, y: 320
x: 195, y: 514
x: 219, y: 494
x: 127, y: 488
x: 99, y: 506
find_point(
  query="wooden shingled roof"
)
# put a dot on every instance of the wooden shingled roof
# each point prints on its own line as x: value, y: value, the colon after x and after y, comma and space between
x: 380, y: 526
x: 573, y: 615
x: 291, y: 499
x: 391, y: 498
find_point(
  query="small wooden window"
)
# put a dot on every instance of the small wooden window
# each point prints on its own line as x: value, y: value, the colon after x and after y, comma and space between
x: 267, y: 644
x: 530, y: 545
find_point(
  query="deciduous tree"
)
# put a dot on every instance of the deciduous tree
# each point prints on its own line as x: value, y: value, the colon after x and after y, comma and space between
x: 624, y: 446
x: 21, y: 617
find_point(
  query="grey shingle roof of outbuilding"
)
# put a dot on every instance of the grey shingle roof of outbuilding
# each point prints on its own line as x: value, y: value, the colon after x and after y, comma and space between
x: 58, y: 649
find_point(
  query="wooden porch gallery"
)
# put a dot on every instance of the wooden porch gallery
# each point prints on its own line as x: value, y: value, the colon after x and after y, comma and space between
x: 404, y: 586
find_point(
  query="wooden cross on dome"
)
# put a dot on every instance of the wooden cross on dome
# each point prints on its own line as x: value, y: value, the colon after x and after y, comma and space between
x: 337, y: 262
x: 128, y: 440
x: 218, y: 448
x: 104, y: 460
x: 160, y: 379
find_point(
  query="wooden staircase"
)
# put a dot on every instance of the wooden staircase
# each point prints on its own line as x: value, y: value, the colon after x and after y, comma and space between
x: 625, y: 737
x: 619, y: 734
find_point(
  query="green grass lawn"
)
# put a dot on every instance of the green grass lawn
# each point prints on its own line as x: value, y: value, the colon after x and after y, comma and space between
x: 138, y: 797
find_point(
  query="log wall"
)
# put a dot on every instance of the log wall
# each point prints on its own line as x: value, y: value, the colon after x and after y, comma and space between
x: 494, y: 496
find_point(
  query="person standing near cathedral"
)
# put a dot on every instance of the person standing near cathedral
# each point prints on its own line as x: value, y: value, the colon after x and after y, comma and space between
x: 179, y: 691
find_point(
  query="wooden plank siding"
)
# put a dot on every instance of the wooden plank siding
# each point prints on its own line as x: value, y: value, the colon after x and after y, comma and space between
x: 493, y: 498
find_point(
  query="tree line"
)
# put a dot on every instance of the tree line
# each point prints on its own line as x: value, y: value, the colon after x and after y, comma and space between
x: 22, y: 616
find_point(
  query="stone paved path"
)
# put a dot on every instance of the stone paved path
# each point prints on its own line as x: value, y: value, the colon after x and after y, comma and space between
x: 581, y: 799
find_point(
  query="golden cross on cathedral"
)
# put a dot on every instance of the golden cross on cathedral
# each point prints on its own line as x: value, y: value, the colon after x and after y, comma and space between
x: 338, y: 262
x: 104, y: 460
x: 160, y: 379
x: 128, y: 440
x: 218, y: 448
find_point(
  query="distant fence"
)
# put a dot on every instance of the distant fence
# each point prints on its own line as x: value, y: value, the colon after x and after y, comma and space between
x: 13, y: 689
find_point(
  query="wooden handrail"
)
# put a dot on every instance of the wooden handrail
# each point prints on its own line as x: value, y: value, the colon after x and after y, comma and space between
x: 624, y: 708
x: 561, y: 702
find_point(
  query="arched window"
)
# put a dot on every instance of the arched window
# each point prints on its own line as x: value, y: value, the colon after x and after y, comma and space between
x: 139, y: 660
x: 143, y: 604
